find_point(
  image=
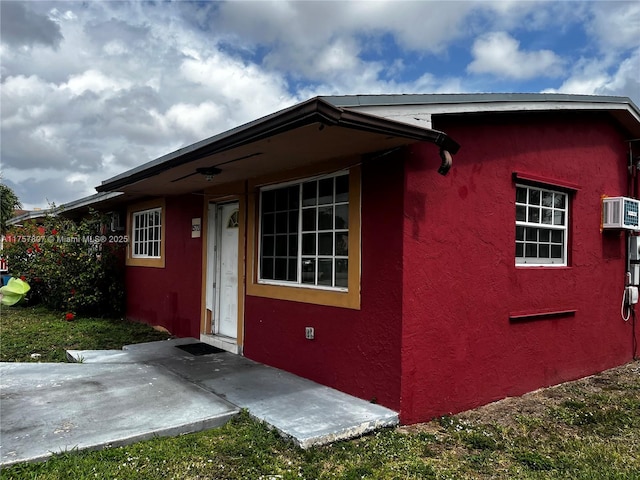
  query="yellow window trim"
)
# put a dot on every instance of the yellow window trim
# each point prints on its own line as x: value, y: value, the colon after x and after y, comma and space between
x: 139, y: 207
x: 349, y: 299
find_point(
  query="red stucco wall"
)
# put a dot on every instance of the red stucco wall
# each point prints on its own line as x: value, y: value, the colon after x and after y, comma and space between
x: 354, y: 351
x: 170, y: 296
x: 460, y: 283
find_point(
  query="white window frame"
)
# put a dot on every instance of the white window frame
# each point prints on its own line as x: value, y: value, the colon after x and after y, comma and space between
x: 333, y: 231
x: 534, y: 224
x: 141, y: 233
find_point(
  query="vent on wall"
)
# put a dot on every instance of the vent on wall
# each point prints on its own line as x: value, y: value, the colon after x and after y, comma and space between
x: 621, y: 212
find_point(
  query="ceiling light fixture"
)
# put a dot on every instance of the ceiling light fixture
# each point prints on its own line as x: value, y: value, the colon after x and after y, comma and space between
x: 208, y: 172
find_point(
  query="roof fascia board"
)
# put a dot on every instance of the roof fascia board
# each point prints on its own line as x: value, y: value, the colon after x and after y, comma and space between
x: 87, y: 201
x: 29, y: 216
x: 492, y: 107
x: 351, y: 101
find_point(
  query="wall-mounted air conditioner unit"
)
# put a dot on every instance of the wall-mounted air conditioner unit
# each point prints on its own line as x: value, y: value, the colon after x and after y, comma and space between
x: 621, y: 212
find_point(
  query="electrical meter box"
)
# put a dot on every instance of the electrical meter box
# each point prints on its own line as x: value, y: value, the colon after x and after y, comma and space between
x: 621, y: 213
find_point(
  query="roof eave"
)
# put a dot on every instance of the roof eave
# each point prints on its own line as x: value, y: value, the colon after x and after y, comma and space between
x: 315, y: 110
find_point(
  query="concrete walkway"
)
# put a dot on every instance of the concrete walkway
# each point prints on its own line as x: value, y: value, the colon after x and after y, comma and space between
x: 115, y: 397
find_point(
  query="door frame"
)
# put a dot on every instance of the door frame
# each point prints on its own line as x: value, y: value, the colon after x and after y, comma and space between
x: 211, y: 241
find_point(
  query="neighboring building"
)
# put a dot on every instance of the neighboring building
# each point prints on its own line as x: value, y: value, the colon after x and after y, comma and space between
x: 322, y: 240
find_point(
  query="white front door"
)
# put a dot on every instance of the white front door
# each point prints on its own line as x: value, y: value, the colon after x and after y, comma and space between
x: 226, y: 265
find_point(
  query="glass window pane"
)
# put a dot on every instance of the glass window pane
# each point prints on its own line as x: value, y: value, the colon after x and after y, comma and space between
x: 342, y: 273
x: 531, y: 234
x: 531, y: 250
x: 281, y: 245
x: 545, y: 235
x: 534, y: 196
x: 521, y: 213
x: 543, y: 251
x: 294, y: 197
x: 280, y: 272
x: 293, y: 221
x: 342, y: 244
x: 547, y: 199
x: 558, y: 217
x: 325, y: 272
x: 559, y: 200
x: 281, y: 222
x: 519, y: 233
x: 309, y: 270
x: 342, y: 217
x: 556, y: 251
x: 268, y: 223
x: 268, y: 244
x: 282, y: 199
x: 268, y: 201
x: 342, y: 188
x: 556, y: 236
x: 309, y: 191
x: 519, y: 249
x: 293, y: 245
x: 308, y: 244
x: 136, y: 220
x: 267, y: 268
x: 325, y: 218
x: 325, y: 243
x: 292, y: 274
x: 521, y: 195
x: 325, y: 191
x: 534, y: 215
x: 308, y: 219
x: 547, y: 215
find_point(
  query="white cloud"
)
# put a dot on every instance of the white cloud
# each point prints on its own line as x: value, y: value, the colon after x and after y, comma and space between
x: 592, y: 77
x: 111, y: 85
x: 94, y: 81
x: 615, y: 24
x: 499, y: 54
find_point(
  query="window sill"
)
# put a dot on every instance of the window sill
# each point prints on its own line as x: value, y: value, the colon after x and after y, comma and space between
x: 524, y: 266
x: 145, y: 262
x: 333, y: 298
x: 517, y: 317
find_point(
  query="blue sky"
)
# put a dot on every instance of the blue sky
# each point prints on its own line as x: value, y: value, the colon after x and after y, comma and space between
x: 91, y: 89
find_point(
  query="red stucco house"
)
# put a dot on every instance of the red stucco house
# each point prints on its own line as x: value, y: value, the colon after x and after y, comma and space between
x: 430, y: 252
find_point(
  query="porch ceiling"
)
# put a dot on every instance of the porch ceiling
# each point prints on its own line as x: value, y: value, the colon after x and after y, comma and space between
x: 293, y: 149
x: 303, y: 135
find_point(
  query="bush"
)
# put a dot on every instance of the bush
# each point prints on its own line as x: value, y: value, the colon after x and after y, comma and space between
x: 70, y: 265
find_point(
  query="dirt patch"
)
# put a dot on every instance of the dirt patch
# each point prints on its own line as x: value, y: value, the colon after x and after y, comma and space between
x: 509, y: 411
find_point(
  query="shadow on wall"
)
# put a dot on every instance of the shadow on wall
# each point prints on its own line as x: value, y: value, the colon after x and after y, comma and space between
x: 612, y: 245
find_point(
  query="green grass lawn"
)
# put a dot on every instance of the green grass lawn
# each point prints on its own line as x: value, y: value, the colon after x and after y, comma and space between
x: 589, y: 429
x: 25, y: 331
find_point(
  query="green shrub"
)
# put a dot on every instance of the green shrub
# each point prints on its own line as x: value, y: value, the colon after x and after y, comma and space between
x: 71, y: 266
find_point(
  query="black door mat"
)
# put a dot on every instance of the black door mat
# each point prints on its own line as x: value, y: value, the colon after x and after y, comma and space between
x: 199, y: 348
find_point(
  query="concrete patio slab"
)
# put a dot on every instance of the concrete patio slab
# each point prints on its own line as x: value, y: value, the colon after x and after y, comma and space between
x: 308, y: 413
x: 49, y: 408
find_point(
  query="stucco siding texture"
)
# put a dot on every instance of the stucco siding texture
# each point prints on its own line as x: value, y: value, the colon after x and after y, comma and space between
x: 171, y: 297
x: 460, y: 282
x: 356, y: 351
